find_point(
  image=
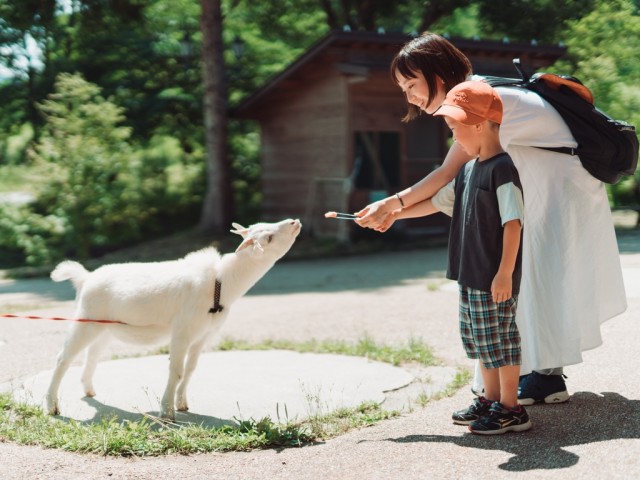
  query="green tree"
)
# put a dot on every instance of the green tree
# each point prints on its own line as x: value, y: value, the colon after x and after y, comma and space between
x: 517, y: 19
x: 22, y: 23
x: 88, y: 153
x: 524, y: 20
x: 603, y: 51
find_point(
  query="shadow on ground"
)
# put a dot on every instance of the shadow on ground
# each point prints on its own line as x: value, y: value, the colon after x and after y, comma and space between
x: 107, y: 412
x: 544, y: 446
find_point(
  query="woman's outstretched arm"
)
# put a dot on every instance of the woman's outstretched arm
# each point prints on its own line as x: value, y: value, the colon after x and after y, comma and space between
x: 377, y: 215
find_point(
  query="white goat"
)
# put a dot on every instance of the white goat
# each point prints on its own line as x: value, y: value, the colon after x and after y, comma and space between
x: 172, y: 301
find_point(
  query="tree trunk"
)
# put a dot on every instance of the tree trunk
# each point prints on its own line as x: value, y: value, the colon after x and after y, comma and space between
x: 217, y: 210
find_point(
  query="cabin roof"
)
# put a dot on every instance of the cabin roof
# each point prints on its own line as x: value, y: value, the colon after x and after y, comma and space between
x: 392, y: 42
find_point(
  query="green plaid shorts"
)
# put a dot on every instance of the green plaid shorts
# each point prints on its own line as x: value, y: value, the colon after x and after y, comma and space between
x: 488, y: 329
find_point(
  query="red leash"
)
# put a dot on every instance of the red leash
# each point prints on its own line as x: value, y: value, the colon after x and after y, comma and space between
x: 81, y: 320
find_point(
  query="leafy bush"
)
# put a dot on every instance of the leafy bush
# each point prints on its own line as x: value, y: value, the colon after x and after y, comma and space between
x: 244, y: 146
x: 28, y: 237
x: 98, y: 190
x: 89, y: 157
x: 13, y: 151
x: 602, y: 51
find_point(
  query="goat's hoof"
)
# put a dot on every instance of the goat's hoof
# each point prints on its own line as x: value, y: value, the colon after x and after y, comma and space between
x: 181, y: 404
x: 53, y: 410
x: 90, y: 393
x: 170, y: 417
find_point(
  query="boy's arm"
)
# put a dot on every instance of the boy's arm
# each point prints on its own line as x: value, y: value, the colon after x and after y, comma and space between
x: 501, y: 287
x: 442, y: 201
x: 420, y: 209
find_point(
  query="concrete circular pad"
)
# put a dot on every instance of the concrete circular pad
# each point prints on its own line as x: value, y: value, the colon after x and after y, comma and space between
x: 226, y: 386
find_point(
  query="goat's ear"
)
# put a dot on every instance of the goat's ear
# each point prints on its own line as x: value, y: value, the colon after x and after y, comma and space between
x: 248, y: 242
x: 245, y: 243
x: 239, y: 229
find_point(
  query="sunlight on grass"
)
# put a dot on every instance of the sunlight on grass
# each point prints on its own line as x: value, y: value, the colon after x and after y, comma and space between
x: 28, y: 425
x: 414, y: 350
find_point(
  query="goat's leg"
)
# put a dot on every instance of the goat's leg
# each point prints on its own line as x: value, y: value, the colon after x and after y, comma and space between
x: 193, y: 355
x: 177, y: 356
x: 90, y: 363
x: 81, y: 336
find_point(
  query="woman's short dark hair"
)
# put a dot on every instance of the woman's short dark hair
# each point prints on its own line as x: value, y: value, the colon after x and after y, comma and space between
x: 432, y: 55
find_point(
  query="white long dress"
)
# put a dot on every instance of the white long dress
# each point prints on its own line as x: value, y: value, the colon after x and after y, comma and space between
x: 571, y: 275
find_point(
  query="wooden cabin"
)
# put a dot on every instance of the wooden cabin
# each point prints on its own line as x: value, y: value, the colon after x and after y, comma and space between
x: 331, y: 131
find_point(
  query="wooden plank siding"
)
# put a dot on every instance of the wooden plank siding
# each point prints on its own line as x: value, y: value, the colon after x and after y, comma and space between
x: 302, y: 138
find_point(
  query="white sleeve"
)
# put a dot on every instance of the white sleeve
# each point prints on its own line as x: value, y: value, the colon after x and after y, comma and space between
x: 444, y: 198
x: 529, y: 120
x: 510, y: 203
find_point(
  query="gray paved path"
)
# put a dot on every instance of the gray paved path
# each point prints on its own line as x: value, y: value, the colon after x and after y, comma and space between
x: 391, y: 298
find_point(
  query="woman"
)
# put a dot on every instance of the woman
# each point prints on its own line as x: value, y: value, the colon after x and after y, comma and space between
x: 571, y: 274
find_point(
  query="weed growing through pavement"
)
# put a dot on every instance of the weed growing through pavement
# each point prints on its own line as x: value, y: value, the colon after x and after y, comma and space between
x: 462, y: 378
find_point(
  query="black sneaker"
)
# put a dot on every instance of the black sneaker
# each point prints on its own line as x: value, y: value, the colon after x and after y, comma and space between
x: 479, y: 408
x: 538, y: 388
x: 501, y: 420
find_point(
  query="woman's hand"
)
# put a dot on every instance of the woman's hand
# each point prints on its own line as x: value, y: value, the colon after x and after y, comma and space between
x: 374, y: 216
x: 387, y: 223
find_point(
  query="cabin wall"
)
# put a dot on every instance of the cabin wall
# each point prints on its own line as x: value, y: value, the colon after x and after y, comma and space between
x: 302, y: 143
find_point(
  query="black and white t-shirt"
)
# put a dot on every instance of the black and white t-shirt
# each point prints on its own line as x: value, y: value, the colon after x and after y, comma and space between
x: 481, y: 199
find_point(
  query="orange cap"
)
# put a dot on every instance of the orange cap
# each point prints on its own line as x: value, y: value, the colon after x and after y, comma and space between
x: 471, y: 103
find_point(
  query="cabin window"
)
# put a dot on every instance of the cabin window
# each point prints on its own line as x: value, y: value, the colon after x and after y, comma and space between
x: 377, y: 160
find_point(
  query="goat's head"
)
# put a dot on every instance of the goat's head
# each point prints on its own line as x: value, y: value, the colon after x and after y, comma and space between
x: 272, y: 239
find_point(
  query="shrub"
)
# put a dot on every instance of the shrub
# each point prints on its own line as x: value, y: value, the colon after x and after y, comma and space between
x: 13, y: 151
x: 28, y: 237
x: 88, y: 154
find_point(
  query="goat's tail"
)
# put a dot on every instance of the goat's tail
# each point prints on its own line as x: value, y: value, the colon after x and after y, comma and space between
x: 70, y: 270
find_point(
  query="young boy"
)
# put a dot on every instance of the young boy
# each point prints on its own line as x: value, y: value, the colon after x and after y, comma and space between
x: 486, y: 205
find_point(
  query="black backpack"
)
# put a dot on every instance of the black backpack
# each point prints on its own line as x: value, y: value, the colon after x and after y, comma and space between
x: 608, y: 148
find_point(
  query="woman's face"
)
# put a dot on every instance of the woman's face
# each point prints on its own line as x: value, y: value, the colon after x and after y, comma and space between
x: 417, y: 92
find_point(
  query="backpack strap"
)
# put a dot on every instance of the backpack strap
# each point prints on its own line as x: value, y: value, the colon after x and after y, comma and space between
x: 566, y: 150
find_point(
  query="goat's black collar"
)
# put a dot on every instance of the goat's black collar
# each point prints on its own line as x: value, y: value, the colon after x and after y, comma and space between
x: 216, y: 299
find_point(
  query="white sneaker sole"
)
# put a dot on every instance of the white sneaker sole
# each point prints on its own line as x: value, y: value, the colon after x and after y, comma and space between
x: 558, y: 397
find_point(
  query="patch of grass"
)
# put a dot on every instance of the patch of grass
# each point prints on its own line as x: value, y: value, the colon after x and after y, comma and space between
x: 345, y: 419
x: 462, y: 378
x: 435, y: 285
x: 28, y: 425
x: 414, y: 350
